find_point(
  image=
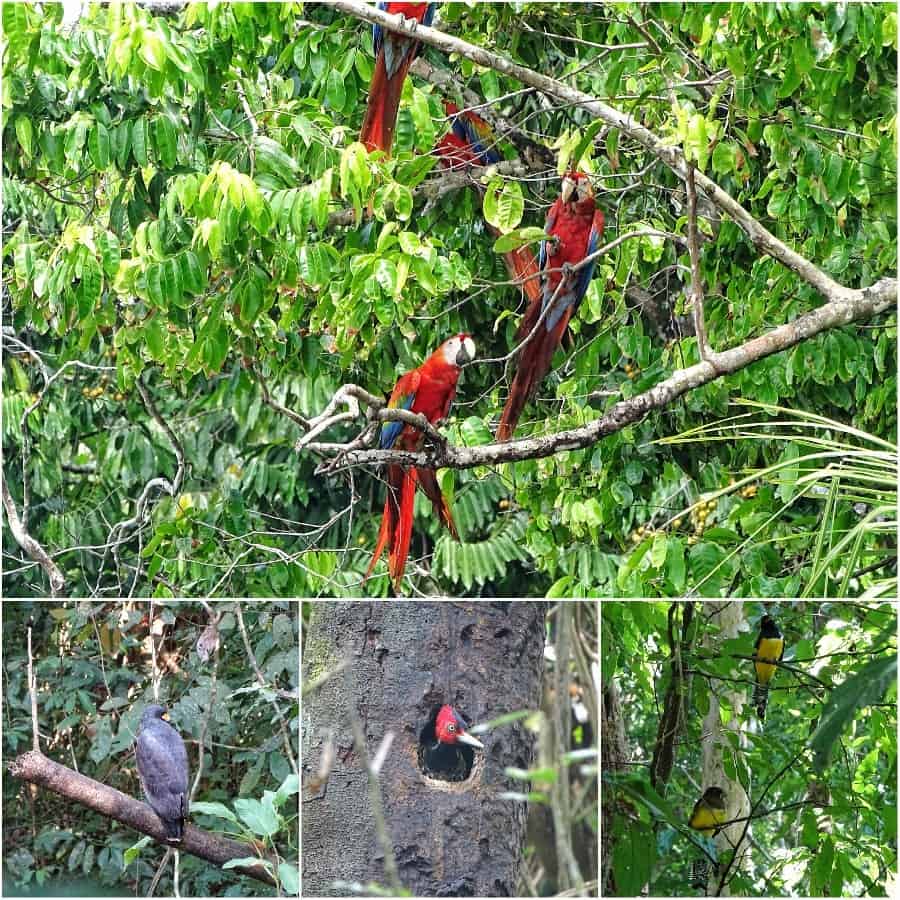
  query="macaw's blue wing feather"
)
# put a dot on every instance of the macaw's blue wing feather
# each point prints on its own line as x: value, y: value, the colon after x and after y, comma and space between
x: 390, y: 431
x: 587, y: 273
x: 477, y: 133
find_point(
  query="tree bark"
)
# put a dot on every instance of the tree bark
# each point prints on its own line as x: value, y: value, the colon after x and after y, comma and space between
x: 387, y: 667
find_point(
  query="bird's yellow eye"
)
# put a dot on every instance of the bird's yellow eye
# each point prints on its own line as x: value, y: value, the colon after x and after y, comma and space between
x: 451, y: 728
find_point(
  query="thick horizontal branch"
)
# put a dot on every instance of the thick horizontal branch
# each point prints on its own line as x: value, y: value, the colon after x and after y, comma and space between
x: 672, y: 156
x: 853, y: 306
x: 39, y: 769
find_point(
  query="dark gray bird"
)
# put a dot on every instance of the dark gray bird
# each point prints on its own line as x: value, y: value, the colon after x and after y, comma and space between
x: 163, y: 766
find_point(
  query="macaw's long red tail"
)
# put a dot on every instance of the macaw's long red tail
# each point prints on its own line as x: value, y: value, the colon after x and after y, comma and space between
x: 384, y: 101
x: 535, y: 360
x: 390, y: 516
x: 403, y: 533
x: 428, y: 483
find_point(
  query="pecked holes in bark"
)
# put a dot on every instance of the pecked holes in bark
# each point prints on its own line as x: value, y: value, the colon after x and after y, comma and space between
x: 443, y: 762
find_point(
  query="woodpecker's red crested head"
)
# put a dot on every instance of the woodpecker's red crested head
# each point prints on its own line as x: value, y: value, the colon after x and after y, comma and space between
x: 450, y: 728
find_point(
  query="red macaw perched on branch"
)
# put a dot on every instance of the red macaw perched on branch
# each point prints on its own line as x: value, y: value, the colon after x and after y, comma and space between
x: 471, y: 142
x: 576, y: 227
x: 394, y: 54
x: 428, y: 390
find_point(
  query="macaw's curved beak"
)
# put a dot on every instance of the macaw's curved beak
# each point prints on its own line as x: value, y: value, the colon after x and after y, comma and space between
x: 464, y: 738
x: 466, y: 352
x: 568, y: 188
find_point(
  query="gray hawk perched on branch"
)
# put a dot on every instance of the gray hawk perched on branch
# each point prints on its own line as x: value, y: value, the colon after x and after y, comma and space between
x: 163, y: 766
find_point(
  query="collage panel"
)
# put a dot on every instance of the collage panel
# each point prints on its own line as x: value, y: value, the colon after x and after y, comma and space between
x: 449, y: 749
x: 150, y: 748
x: 749, y: 748
x: 521, y: 299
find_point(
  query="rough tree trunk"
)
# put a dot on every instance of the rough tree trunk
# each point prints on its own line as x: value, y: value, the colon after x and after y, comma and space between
x: 403, y: 661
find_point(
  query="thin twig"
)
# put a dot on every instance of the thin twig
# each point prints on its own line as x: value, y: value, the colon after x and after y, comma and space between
x: 696, y: 278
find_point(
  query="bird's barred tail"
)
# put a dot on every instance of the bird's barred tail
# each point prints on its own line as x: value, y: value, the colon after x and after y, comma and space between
x: 700, y: 870
x: 760, y: 699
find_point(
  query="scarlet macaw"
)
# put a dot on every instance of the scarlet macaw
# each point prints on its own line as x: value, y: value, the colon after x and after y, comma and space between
x: 394, y: 54
x: 471, y: 142
x: 428, y: 390
x: 576, y: 227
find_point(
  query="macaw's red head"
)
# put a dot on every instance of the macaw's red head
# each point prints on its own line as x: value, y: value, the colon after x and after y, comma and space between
x: 457, y: 351
x: 450, y: 108
x: 576, y: 188
x: 450, y: 728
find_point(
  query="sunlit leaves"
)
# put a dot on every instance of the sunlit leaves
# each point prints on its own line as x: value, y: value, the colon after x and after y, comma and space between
x: 503, y: 204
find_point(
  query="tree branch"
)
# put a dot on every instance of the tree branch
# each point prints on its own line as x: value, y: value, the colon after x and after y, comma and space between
x: 696, y: 278
x: 853, y: 306
x: 29, y: 544
x: 38, y: 769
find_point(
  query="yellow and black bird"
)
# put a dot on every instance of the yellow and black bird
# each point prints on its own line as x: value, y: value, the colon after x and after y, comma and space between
x: 707, y: 815
x: 769, y: 650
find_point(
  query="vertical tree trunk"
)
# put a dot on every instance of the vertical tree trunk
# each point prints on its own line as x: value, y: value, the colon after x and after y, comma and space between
x: 402, y: 662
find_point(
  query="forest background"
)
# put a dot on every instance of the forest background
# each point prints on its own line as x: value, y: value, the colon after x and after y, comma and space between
x: 190, y: 276
x: 811, y: 786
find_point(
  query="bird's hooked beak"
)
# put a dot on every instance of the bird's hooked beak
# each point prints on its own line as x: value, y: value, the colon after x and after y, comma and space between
x: 568, y: 188
x: 464, y: 738
x: 466, y: 352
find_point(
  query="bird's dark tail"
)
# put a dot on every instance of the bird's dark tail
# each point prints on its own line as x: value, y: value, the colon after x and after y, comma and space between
x: 700, y: 872
x: 760, y: 699
x: 174, y: 830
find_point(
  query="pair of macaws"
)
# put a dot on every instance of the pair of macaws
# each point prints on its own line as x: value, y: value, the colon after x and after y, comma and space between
x: 552, y: 287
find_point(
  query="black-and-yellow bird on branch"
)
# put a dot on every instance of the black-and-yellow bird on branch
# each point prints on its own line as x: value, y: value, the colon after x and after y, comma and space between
x: 708, y: 814
x: 769, y: 650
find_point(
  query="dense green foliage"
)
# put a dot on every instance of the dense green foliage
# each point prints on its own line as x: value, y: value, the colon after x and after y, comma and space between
x: 93, y: 668
x: 820, y: 773
x: 168, y: 183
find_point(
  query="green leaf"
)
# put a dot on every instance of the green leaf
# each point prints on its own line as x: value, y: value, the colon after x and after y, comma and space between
x: 260, y: 817
x: 503, y: 204
x: 166, y: 141
x: 152, y: 51
x: 335, y: 91
x: 214, y: 809
x: 98, y: 146
x: 519, y: 237
x: 724, y: 157
x: 25, y: 135
x: 586, y: 141
x: 155, y: 334
x: 110, y: 255
x: 271, y: 157
x: 869, y: 685
x: 139, y: 142
x: 289, y: 877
